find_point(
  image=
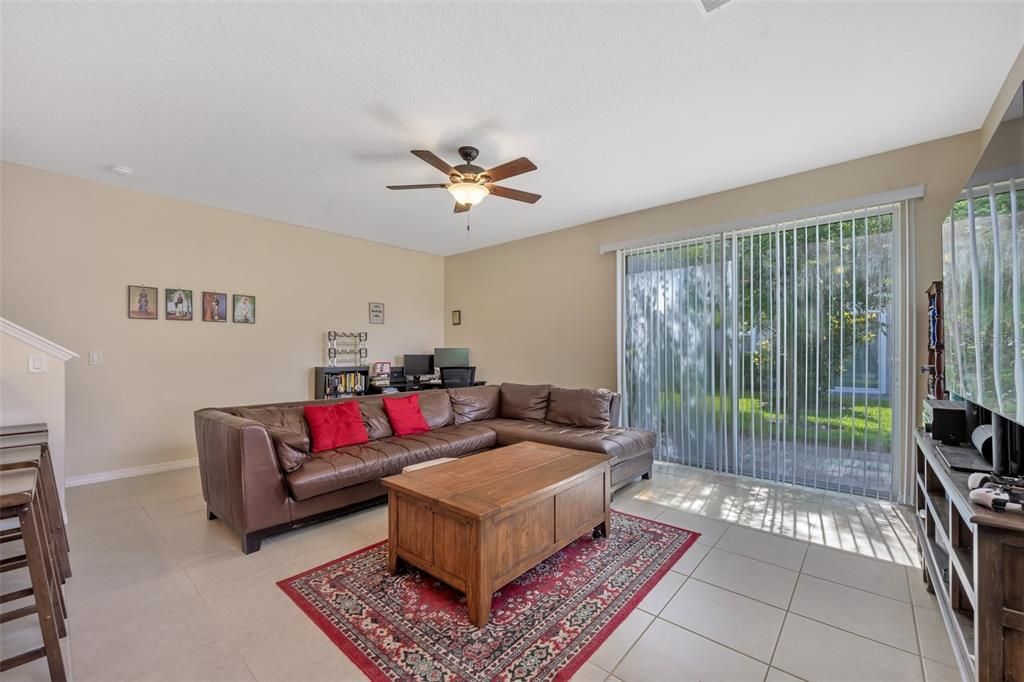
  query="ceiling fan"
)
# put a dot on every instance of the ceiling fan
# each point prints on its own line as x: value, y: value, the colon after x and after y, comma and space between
x: 469, y: 184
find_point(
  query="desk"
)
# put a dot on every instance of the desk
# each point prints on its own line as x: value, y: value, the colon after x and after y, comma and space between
x: 405, y: 386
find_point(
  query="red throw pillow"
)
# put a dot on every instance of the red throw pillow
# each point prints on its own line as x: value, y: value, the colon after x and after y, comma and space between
x: 335, y: 426
x: 405, y: 415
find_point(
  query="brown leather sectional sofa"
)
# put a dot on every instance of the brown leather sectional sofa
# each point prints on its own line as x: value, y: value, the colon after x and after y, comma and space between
x: 260, y: 478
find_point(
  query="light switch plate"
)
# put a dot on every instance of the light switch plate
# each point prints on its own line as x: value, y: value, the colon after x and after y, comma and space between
x: 95, y: 357
x: 36, y: 364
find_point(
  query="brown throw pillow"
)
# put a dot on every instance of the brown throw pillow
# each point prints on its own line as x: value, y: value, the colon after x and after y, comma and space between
x: 586, y: 407
x: 520, y: 401
x: 292, y: 448
x: 436, y: 407
x: 473, y: 404
x: 375, y: 419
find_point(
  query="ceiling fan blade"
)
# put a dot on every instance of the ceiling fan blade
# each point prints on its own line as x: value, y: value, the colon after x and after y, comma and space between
x: 416, y: 186
x: 461, y: 208
x: 517, y: 194
x: 434, y: 160
x: 510, y: 169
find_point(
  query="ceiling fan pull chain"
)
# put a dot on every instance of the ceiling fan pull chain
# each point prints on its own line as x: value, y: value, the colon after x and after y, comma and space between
x: 467, y: 223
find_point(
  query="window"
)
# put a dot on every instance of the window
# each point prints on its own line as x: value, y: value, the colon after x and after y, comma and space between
x: 768, y: 352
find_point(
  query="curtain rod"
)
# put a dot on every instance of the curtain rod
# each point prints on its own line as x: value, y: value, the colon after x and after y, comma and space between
x: 867, y: 201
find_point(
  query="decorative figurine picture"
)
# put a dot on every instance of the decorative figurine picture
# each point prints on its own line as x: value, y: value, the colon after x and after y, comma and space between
x: 456, y: 318
x: 142, y: 302
x: 376, y: 313
x: 178, y: 304
x: 244, y: 307
x: 215, y: 307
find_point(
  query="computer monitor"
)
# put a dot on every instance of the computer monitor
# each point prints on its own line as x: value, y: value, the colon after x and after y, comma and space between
x: 418, y: 365
x: 451, y: 357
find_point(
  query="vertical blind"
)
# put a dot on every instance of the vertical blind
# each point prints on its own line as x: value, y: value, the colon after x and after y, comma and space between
x: 768, y: 352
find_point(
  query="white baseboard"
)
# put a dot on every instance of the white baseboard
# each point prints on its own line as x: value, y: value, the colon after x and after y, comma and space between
x: 115, y: 474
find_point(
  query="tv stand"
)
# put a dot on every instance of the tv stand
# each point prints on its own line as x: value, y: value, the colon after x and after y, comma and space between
x: 974, y: 562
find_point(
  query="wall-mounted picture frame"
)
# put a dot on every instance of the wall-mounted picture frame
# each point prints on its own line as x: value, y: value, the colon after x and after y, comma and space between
x: 243, y: 308
x: 456, y: 318
x: 215, y: 306
x: 143, y: 302
x: 177, y: 304
x: 376, y: 313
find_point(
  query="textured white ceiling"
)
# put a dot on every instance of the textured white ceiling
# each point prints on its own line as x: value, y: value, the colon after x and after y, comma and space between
x: 303, y: 112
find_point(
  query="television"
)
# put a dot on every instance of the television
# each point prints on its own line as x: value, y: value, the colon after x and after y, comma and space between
x: 983, y: 284
x: 451, y: 357
x: 418, y: 365
x: 983, y: 276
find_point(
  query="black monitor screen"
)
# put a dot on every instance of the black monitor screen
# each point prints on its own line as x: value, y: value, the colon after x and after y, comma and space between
x: 451, y: 357
x: 419, y: 364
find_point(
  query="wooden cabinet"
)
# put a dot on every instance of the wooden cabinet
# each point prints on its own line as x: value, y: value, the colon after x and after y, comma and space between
x: 974, y: 561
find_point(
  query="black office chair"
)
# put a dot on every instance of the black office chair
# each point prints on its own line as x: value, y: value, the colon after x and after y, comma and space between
x: 457, y: 377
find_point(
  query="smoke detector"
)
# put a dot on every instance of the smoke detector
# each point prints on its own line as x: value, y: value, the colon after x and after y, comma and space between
x: 122, y: 170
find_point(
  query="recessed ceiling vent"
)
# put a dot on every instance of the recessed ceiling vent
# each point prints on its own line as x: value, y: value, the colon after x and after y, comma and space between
x: 712, y: 5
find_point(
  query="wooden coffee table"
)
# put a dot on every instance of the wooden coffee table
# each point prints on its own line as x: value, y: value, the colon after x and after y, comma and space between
x: 480, y: 522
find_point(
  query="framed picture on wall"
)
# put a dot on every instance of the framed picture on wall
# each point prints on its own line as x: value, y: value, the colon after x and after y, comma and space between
x: 376, y: 313
x: 215, y: 307
x: 456, y: 318
x: 244, y: 307
x: 142, y: 302
x: 177, y: 304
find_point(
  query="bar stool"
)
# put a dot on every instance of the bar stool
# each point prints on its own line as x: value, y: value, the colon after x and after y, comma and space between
x: 37, y: 456
x: 20, y: 495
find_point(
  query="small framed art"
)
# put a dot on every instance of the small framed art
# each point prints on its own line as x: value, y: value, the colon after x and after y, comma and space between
x: 244, y: 307
x: 456, y: 318
x: 142, y: 302
x: 215, y: 307
x: 376, y: 313
x: 177, y: 304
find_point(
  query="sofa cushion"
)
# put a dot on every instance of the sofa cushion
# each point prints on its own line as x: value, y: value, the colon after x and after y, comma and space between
x: 521, y: 401
x: 620, y: 444
x: 375, y: 419
x: 587, y: 407
x: 325, y: 472
x: 405, y: 415
x: 456, y: 440
x: 291, y: 447
x: 287, y: 417
x: 335, y: 469
x: 474, y: 403
x: 335, y: 426
x: 436, y: 406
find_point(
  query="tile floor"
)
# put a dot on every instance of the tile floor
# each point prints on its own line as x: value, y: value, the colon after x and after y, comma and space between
x: 784, y: 584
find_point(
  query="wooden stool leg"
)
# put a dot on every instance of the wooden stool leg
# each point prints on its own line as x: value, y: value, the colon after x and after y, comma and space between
x: 43, y: 505
x: 56, y: 512
x: 55, y: 592
x: 35, y: 552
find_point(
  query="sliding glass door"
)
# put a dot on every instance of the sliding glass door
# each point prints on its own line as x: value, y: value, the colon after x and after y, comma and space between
x: 768, y: 352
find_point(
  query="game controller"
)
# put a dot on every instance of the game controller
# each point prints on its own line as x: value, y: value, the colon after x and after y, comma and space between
x: 998, y: 493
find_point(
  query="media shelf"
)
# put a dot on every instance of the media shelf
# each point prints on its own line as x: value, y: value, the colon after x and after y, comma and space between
x: 974, y: 562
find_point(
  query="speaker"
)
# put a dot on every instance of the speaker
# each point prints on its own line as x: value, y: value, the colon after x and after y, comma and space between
x: 947, y: 420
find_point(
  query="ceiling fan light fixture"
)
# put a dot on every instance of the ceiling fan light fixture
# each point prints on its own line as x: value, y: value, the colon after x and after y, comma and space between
x: 468, y: 193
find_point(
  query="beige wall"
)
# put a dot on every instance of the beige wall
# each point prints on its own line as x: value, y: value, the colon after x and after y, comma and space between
x: 543, y: 308
x: 28, y: 398
x: 71, y: 247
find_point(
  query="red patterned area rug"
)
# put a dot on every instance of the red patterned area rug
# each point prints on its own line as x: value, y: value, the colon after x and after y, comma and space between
x: 543, y: 625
